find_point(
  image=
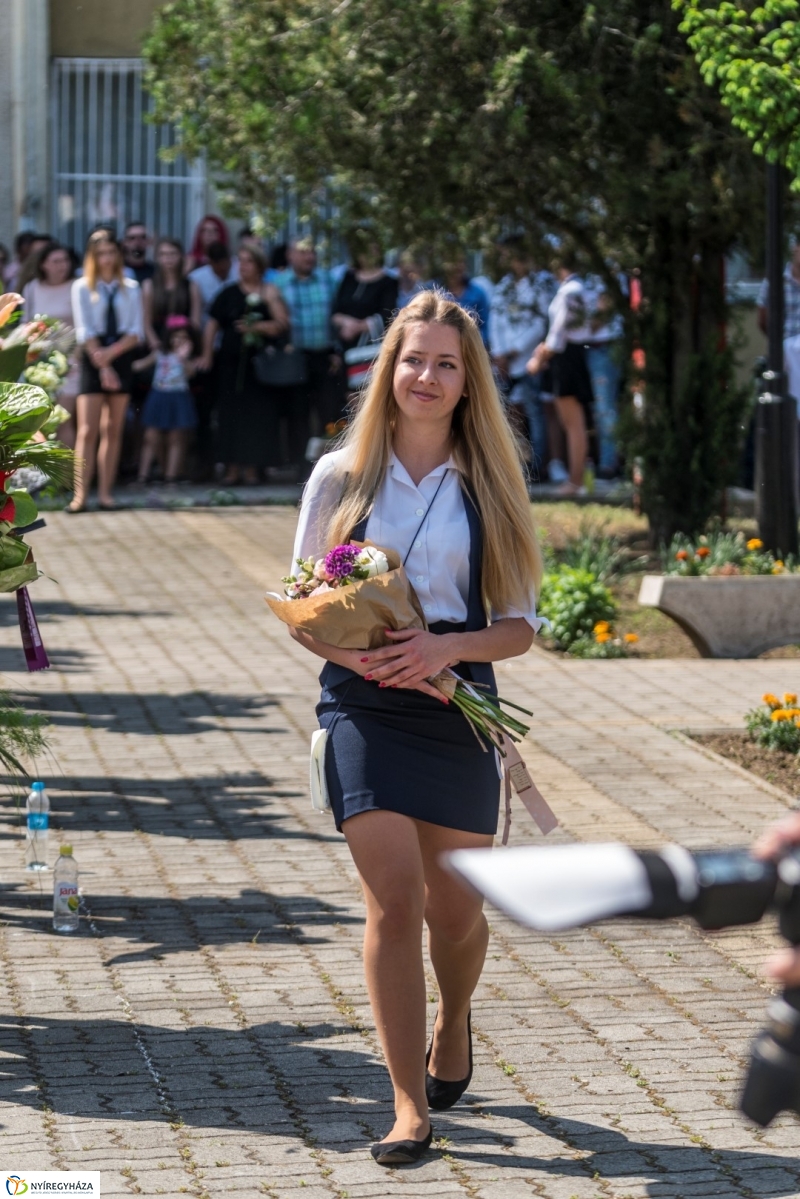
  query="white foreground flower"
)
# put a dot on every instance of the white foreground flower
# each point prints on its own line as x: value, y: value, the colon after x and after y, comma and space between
x: 373, y: 561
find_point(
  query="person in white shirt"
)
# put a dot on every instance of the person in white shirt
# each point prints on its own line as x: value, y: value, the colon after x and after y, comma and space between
x: 430, y: 468
x: 517, y: 323
x: 109, y: 326
x: 217, y: 273
x: 563, y: 350
x: 49, y: 293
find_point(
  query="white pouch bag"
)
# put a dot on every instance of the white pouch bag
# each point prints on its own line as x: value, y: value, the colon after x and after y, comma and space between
x: 317, y: 781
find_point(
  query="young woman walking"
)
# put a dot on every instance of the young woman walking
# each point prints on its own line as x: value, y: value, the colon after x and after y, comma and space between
x: 109, y: 325
x: 431, y: 469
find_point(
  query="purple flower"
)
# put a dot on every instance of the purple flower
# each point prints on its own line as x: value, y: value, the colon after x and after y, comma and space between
x: 339, y: 562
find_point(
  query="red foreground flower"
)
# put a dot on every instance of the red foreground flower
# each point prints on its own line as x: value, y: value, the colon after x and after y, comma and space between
x: 8, y: 510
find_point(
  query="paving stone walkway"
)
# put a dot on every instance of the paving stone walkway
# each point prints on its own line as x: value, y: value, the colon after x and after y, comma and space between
x: 208, y: 1030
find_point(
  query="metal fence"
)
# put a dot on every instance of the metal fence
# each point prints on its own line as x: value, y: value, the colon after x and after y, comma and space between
x: 106, y: 159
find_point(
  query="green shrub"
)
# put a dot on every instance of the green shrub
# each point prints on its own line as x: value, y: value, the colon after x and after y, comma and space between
x: 601, y: 554
x: 574, y: 600
x: 590, y: 647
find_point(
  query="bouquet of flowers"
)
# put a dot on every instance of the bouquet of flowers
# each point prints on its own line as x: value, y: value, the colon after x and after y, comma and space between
x: 36, y: 351
x: 349, y: 597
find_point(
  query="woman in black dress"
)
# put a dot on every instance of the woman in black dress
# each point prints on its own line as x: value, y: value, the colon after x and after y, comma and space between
x: 431, y: 469
x: 250, y: 314
x: 366, y: 300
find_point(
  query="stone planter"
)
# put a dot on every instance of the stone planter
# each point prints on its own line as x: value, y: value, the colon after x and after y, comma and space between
x: 731, y: 617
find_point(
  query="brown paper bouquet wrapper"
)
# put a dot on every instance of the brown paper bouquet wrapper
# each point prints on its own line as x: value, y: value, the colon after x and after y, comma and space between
x: 354, y: 617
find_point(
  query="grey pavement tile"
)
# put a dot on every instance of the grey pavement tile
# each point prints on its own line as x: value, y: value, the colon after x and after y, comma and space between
x: 211, y: 1004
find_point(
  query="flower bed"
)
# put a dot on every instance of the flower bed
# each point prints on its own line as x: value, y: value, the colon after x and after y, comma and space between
x: 770, y: 745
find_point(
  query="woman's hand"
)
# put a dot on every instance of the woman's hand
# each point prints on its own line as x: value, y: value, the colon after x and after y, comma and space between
x: 99, y: 358
x: 413, y: 657
x: 538, y: 359
x: 110, y: 379
x: 783, y: 966
x: 349, y: 327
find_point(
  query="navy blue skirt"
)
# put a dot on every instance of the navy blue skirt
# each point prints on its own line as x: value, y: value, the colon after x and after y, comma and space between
x: 168, y: 410
x: 403, y: 751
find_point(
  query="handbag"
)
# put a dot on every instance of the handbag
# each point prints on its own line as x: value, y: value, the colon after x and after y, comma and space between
x: 280, y: 366
x: 358, y: 361
x: 318, y: 783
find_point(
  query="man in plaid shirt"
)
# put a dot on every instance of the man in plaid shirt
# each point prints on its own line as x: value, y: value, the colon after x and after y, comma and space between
x: 308, y: 291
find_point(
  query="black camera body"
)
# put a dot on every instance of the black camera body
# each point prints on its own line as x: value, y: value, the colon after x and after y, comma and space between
x: 571, y: 885
x: 734, y: 888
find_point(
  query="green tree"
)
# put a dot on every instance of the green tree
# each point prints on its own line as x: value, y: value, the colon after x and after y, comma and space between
x: 449, y: 119
x: 752, y: 54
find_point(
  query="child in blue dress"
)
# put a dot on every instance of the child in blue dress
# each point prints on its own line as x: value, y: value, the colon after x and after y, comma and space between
x: 169, y: 413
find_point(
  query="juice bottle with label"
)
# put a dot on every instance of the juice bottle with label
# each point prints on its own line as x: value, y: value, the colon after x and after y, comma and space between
x: 65, y: 893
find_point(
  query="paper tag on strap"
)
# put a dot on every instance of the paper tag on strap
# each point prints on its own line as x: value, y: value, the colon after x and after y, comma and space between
x: 518, y: 775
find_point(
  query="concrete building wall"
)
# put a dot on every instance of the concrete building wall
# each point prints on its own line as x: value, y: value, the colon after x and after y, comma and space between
x: 24, y: 63
x: 99, y: 28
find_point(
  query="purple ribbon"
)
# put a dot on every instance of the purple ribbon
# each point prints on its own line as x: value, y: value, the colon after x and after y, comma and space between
x: 35, y: 653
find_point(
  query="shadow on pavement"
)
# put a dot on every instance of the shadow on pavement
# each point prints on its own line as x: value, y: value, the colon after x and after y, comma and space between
x: 52, y: 611
x: 151, y: 713
x: 206, y: 807
x: 668, y: 1171
x: 257, y: 1079
x: 162, y: 925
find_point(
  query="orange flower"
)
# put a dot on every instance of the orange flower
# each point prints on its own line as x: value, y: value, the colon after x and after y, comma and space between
x: 631, y: 638
x: 702, y: 551
x: 755, y: 543
x: 770, y: 700
x: 602, y: 638
x: 602, y: 626
x: 789, y: 699
x: 682, y: 555
x: 782, y: 714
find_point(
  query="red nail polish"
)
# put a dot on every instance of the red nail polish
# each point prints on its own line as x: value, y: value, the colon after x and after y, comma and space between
x: 367, y: 676
x: 365, y: 659
x: 381, y: 684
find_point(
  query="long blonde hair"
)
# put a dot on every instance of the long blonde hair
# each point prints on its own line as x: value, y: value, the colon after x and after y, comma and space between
x: 484, y: 448
x: 90, y: 272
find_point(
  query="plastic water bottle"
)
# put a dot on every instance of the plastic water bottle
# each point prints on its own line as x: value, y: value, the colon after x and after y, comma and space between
x: 38, y: 810
x: 65, y: 892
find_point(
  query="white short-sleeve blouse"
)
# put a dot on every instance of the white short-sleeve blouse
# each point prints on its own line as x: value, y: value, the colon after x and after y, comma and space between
x: 438, y: 559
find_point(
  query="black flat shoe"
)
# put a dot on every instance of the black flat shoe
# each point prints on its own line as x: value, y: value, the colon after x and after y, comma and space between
x: 441, y: 1094
x: 401, y: 1153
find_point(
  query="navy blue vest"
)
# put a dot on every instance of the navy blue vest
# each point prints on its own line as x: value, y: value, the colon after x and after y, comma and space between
x: 481, y: 672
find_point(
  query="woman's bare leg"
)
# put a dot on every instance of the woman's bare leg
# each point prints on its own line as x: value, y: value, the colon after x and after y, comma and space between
x: 88, y: 410
x: 68, y: 432
x: 457, y: 939
x: 112, y: 426
x: 570, y: 413
x: 151, y: 444
x: 386, y: 851
x: 176, y: 454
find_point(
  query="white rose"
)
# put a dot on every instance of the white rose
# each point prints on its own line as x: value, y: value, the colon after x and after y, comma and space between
x: 373, y: 561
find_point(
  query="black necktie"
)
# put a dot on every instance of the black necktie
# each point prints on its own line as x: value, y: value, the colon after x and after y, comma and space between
x: 112, y: 330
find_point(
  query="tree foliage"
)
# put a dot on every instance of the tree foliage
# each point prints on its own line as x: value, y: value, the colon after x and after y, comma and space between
x: 752, y: 54
x: 447, y: 119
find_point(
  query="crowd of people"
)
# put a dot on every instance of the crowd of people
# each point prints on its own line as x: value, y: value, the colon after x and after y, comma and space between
x: 222, y: 362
